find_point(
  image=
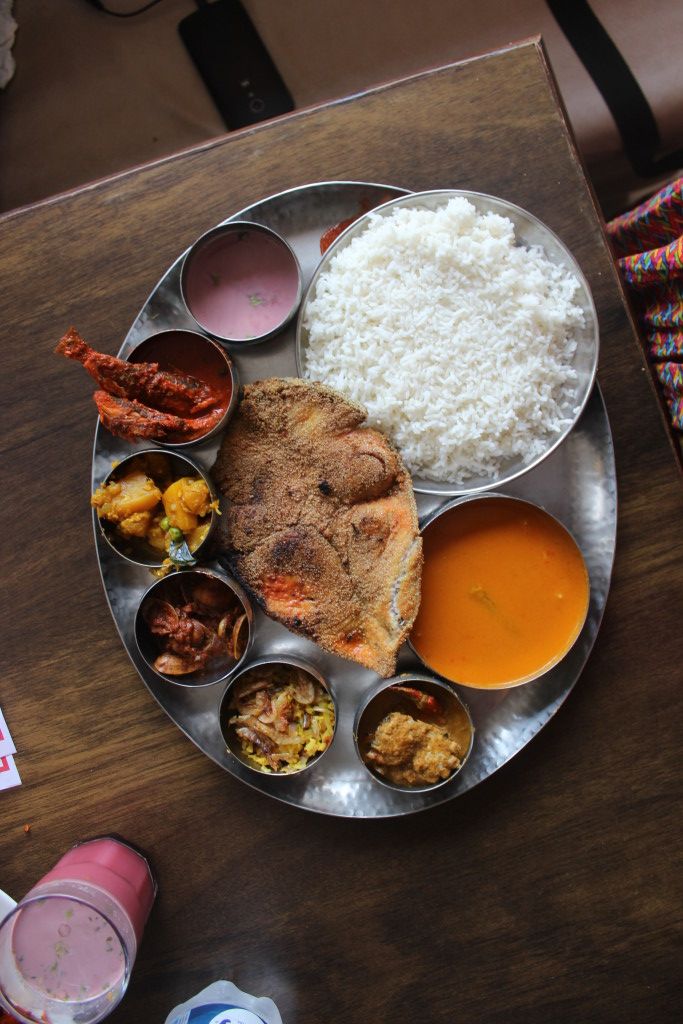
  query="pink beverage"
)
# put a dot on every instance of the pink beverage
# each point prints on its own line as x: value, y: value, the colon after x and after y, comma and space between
x: 67, y: 949
x: 241, y: 282
x: 117, y: 869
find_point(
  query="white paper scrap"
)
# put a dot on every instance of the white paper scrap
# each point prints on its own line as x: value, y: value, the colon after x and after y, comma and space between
x: 6, y: 743
x: 9, y: 776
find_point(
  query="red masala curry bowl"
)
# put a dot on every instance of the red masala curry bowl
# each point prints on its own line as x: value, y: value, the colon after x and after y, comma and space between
x: 200, y: 357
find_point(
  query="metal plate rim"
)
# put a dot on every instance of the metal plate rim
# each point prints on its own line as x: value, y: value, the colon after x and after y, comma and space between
x: 596, y: 413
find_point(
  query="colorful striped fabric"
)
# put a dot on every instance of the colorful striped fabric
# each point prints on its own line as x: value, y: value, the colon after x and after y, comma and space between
x: 648, y: 242
x: 656, y: 222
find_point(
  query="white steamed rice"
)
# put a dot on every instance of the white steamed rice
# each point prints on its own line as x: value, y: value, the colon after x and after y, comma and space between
x: 457, y: 340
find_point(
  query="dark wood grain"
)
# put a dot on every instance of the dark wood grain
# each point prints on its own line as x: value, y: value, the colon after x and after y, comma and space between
x: 550, y: 893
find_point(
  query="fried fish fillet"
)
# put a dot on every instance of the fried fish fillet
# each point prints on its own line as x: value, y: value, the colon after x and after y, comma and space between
x: 321, y: 525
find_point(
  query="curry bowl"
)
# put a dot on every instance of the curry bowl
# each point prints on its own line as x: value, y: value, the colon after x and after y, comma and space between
x: 278, y: 716
x: 505, y: 592
x: 194, y: 628
x: 413, y: 733
x: 204, y: 360
x: 156, y: 508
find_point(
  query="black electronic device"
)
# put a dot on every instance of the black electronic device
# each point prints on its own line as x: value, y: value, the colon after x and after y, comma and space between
x: 236, y: 67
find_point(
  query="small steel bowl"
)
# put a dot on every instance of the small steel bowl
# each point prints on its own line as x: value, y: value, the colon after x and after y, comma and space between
x: 133, y: 549
x: 178, y: 589
x: 532, y: 677
x: 232, y: 741
x: 384, y: 698
x: 212, y: 238
x: 181, y: 346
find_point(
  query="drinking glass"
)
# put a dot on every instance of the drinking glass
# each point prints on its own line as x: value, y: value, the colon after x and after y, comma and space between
x: 67, y: 949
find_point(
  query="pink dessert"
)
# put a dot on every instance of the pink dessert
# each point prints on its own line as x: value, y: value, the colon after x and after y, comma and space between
x: 241, y: 284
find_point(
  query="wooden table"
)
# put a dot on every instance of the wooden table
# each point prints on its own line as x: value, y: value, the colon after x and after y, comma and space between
x: 551, y: 892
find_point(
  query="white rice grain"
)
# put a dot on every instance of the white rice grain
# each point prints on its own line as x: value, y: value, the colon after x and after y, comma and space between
x: 458, y: 341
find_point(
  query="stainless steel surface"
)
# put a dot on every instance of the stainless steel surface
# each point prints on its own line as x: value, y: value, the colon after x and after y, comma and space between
x: 222, y: 229
x: 232, y: 741
x: 576, y: 483
x: 529, y: 231
x: 427, y: 684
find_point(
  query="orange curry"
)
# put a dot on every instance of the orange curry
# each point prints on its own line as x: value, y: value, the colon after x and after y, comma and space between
x: 504, y: 593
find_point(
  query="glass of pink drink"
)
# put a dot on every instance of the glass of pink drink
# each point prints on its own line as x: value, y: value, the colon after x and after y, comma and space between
x: 67, y: 949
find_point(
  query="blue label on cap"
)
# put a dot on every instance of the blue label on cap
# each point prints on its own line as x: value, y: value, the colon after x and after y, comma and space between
x: 222, y: 1013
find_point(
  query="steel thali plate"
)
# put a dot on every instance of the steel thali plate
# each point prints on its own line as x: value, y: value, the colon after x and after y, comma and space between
x: 576, y: 483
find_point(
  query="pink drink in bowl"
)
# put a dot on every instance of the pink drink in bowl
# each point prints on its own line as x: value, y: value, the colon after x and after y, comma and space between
x: 67, y: 949
x: 241, y: 282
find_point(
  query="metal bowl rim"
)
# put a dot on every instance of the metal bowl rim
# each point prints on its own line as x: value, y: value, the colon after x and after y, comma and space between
x: 495, y: 495
x: 279, y: 659
x: 172, y: 455
x: 234, y: 383
x: 229, y: 227
x: 401, y: 679
x: 239, y: 593
x: 433, y: 487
